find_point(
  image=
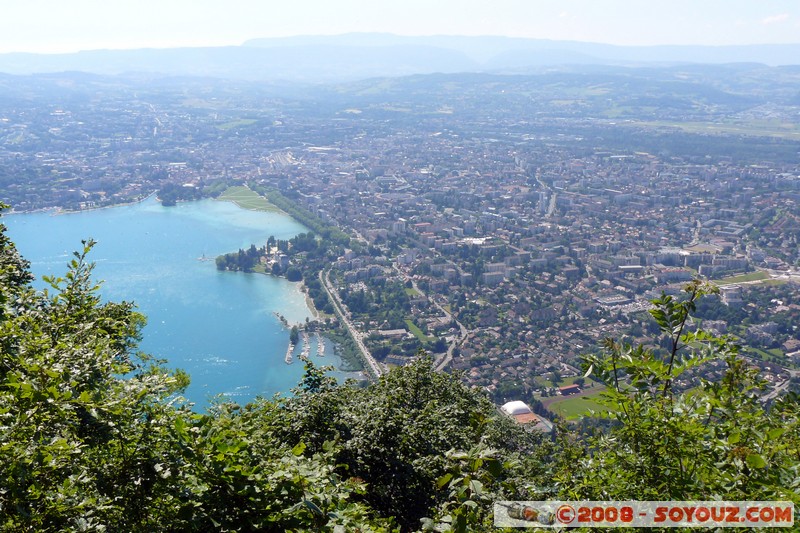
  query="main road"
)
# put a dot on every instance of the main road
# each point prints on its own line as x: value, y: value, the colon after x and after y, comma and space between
x: 374, y: 369
x: 444, y: 360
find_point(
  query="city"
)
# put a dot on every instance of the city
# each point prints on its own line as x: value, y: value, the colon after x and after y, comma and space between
x: 506, y: 235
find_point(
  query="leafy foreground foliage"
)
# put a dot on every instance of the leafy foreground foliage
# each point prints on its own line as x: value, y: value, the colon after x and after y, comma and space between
x: 95, y: 437
x: 718, y: 442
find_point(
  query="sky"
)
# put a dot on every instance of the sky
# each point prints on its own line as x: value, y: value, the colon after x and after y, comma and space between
x: 59, y: 26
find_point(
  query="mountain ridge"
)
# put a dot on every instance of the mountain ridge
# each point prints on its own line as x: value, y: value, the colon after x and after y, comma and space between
x: 356, y: 56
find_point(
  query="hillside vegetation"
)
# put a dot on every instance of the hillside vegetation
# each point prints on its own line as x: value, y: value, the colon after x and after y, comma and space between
x: 94, y: 435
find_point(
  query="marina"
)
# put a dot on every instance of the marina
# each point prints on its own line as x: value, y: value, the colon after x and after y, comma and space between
x: 307, y: 346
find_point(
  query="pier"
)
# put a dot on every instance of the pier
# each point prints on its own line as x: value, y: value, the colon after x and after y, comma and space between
x: 289, y: 354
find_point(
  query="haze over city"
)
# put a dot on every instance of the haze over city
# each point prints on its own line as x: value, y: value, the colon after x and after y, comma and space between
x: 47, y: 26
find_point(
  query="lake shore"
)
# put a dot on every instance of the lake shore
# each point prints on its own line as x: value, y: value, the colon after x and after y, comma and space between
x: 309, y: 302
x: 218, y: 328
x: 57, y: 211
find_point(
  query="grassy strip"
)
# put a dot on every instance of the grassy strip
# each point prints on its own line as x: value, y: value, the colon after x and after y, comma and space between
x: 242, y: 122
x: 742, y: 278
x: 418, y: 332
x: 248, y: 199
x: 766, y: 355
x: 757, y: 129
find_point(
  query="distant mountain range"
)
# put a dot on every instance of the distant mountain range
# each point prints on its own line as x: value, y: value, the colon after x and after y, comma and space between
x: 314, y: 59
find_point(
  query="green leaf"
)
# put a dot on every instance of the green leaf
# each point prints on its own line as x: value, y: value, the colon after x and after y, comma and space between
x: 312, y: 506
x: 299, y: 449
x: 444, y: 480
x: 774, y: 433
x: 734, y: 437
x: 754, y: 460
x: 476, y: 487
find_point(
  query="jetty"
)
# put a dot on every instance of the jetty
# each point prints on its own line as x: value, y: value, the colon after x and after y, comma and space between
x: 282, y: 319
x: 289, y: 352
x: 320, y: 345
x: 306, y: 347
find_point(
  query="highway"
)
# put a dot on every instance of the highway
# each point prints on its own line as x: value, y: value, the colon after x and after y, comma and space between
x: 551, y: 208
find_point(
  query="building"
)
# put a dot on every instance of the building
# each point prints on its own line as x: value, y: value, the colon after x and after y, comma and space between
x: 566, y: 390
x: 522, y: 413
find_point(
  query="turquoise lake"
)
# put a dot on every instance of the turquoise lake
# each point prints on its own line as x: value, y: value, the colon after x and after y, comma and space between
x: 220, y: 327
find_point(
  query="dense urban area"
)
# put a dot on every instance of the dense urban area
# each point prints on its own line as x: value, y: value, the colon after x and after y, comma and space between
x: 505, y: 224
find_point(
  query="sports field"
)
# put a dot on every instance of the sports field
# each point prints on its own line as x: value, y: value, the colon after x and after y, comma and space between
x: 744, y: 278
x: 576, y: 406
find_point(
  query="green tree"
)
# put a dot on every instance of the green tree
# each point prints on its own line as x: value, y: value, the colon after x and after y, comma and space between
x: 82, y: 446
x: 715, y: 442
x: 396, y: 435
x: 293, y: 274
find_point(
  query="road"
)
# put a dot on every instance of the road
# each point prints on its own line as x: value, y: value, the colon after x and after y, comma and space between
x: 374, y: 369
x: 780, y: 388
x: 443, y: 360
x: 440, y: 363
x: 553, y: 196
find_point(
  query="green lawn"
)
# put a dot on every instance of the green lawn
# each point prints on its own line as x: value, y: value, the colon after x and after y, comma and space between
x: 417, y: 332
x: 247, y: 199
x: 412, y: 292
x: 587, y: 382
x: 750, y: 276
x: 775, y: 354
x: 544, y: 382
x: 571, y: 408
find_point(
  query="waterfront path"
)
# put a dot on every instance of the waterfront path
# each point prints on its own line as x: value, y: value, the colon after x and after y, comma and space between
x: 374, y: 369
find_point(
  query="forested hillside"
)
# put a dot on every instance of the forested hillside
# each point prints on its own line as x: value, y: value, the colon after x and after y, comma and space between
x: 94, y: 435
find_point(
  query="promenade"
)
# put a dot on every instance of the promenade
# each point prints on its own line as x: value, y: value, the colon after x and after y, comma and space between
x: 373, y: 368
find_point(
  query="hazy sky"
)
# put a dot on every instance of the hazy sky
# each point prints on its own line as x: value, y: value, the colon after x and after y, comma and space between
x: 70, y: 25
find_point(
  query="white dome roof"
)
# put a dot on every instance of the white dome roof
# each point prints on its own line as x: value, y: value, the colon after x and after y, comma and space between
x: 516, y: 407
